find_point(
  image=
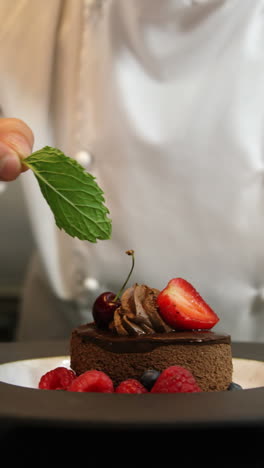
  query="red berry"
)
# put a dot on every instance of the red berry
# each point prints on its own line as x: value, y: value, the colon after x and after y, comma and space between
x: 104, y: 308
x: 92, y: 381
x: 131, y: 386
x: 105, y: 305
x: 175, y: 379
x: 182, y: 307
x: 57, y: 379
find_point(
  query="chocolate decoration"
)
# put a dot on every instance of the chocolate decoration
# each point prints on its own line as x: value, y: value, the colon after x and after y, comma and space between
x: 145, y: 343
x: 138, y: 313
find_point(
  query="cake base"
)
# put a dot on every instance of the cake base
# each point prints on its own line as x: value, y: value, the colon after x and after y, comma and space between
x: 206, y: 354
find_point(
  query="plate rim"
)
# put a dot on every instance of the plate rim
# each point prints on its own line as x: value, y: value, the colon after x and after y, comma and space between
x: 22, y: 405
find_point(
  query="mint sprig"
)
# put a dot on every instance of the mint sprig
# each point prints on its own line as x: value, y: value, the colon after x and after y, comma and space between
x: 73, y: 195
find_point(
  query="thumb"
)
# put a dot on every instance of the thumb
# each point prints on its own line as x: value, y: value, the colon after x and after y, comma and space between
x: 16, y: 142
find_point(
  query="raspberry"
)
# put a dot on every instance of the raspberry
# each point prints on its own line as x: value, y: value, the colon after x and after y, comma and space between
x: 131, y: 386
x: 57, y: 379
x: 92, y: 381
x: 175, y: 379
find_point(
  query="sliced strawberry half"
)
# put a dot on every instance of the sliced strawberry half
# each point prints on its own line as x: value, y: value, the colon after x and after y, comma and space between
x: 182, y: 307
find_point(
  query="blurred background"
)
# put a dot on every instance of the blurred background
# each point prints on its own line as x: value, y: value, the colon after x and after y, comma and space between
x: 16, y: 244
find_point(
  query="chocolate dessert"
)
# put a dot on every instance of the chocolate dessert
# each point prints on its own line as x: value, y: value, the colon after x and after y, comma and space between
x: 139, y: 338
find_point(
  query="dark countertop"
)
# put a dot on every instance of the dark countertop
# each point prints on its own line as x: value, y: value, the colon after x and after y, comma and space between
x: 14, y: 351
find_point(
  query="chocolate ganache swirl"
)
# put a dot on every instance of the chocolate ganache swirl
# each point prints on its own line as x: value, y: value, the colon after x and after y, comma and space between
x: 138, y: 313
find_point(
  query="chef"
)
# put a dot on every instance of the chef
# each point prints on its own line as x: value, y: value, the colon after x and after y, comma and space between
x: 163, y: 102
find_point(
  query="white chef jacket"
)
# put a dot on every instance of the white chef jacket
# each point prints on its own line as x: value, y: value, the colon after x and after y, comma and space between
x: 164, y: 103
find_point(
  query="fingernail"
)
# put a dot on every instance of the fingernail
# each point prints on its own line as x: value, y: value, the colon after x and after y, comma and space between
x: 10, y: 167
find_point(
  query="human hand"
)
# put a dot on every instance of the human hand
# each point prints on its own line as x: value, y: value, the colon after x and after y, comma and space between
x: 16, y: 142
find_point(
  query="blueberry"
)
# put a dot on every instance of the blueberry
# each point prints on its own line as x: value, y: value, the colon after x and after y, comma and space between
x: 234, y: 386
x: 149, y: 378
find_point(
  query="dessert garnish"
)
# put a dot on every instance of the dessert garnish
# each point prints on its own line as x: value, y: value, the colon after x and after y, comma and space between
x: 78, y: 206
x: 233, y: 387
x: 138, y: 313
x: 174, y: 379
x: 106, y: 304
x: 149, y: 377
x: 182, y: 307
x: 92, y: 381
x: 141, y: 310
x: 59, y: 378
x: 131, y: 386
x: 73, y: 195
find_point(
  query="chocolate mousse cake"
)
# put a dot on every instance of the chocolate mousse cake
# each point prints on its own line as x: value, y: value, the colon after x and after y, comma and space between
x: 138, y: 338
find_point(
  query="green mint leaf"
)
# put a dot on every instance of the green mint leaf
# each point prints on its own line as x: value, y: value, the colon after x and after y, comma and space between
x: 73, y: 195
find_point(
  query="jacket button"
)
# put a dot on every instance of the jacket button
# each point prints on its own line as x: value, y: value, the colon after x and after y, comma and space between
x: 84, y: 158
x: 2, y: 187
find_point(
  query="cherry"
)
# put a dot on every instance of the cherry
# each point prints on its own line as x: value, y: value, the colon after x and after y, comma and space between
x: 104, y: 308
x: 106, y: 304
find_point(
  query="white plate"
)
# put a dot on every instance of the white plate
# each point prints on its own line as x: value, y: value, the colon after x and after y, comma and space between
x: 27, y: 373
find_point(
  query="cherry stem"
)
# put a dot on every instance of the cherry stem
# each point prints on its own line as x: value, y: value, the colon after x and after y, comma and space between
x: 128, y: 252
